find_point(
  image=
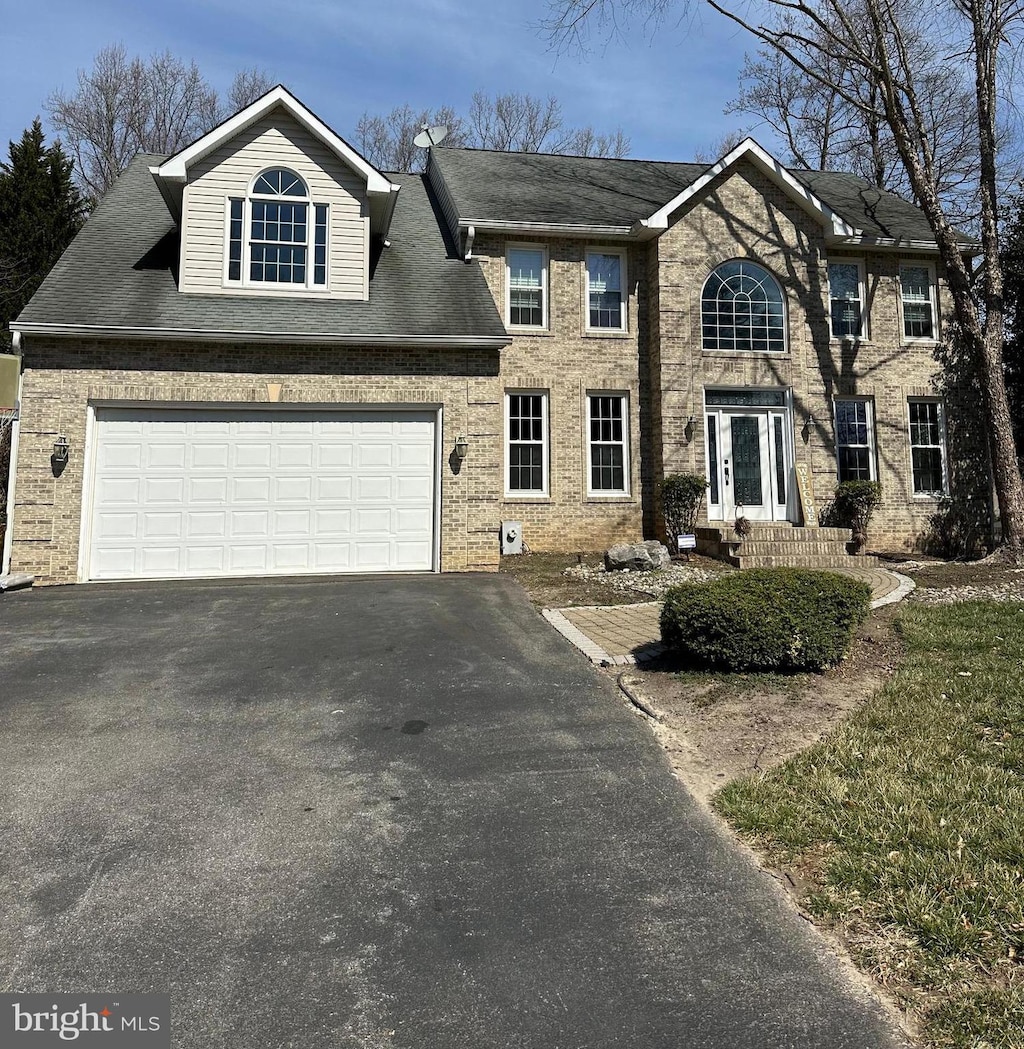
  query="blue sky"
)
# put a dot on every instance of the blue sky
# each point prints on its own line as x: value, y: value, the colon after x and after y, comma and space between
x: 346, y: 57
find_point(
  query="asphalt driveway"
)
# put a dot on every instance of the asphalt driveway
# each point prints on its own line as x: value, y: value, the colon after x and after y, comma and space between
x: 388, y: 812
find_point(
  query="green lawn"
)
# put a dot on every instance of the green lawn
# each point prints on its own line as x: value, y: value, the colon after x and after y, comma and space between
x: 909, y: 823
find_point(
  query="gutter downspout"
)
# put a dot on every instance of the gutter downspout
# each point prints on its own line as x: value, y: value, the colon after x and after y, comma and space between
x: 5, y: 561
x: 470, y: 237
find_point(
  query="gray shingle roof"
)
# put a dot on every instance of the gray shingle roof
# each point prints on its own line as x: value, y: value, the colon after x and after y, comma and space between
x: 547, y: 188
x: 120, y: 272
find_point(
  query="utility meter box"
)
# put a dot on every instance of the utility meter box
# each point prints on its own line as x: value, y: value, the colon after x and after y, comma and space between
x: 511, y: 537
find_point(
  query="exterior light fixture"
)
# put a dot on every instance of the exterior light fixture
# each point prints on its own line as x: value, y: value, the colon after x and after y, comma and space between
x: 691, y: 426
x: 61, y: 449
x: 461, y: 446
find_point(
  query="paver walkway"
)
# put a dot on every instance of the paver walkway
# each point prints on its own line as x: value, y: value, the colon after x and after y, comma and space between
x: 621, y: 634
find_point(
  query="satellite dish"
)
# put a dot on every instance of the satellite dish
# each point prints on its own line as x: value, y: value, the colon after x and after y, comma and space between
x: 431, y: 136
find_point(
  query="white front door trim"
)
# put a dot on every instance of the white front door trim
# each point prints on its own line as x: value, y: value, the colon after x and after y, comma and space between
x: 774, y: 428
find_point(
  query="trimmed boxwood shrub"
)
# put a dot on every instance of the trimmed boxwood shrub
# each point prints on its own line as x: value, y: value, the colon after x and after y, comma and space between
x: 765, y: 619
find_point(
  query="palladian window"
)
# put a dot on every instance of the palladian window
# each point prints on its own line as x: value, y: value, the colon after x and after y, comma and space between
x: 742, y: 310
x: 277, y: 235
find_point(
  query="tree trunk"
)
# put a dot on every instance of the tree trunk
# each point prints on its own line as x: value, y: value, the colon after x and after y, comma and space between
x: 1006, y: 472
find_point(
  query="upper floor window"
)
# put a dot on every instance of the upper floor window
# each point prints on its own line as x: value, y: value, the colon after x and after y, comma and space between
x: 277, y: 235
x: 917, y: 294
x: 526, y: 271
x: 742, y: 309
x: 846, y: 300
x: 606, y: 283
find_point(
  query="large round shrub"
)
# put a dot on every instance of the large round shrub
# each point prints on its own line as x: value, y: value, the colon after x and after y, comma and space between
x: 765, y: 619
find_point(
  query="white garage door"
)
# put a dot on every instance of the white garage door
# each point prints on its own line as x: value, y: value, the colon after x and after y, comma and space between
x: 182, y: 492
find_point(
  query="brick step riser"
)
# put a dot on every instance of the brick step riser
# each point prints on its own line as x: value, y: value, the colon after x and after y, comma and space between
x: 760, y: 548
x: 777, y: 532
x: 802, y: 561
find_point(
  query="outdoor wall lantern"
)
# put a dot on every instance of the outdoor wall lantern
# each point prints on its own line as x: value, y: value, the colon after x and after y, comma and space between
x: 61, y: 449
x: 691, y: 426
x: 461, y: 446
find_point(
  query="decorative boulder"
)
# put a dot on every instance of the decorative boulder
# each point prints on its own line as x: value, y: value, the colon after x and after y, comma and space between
x: 637, y: 557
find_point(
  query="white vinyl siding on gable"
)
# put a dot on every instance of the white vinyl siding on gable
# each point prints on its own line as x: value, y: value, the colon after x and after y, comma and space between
x: 275, y: 141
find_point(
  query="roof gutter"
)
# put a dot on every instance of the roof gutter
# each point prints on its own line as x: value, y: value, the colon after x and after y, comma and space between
x: 110, y: 331
x: 553, y: 228
x: 868, y: 240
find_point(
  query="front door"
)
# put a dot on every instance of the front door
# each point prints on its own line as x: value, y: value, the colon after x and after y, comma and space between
x: 745, y: 462
x: 754, y: 465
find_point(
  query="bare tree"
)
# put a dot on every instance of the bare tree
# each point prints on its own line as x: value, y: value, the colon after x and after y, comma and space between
x: 387, y: 142
x: 174, y: 104
x: 515, y: 123
x: 248, y: 85
x: 510, y: 123
x: 822, y: 130
x: 123, y: 106
x: 903, y: 49
x: 719, y: 147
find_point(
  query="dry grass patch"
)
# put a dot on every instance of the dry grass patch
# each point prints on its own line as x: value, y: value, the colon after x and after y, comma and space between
x: 906, y: 825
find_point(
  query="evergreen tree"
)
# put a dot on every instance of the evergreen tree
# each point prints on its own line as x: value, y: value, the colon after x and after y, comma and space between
x: 40, y: 211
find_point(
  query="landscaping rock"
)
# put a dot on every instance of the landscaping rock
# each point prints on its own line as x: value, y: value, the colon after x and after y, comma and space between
x: 649, y: 585
x: 637, y: 557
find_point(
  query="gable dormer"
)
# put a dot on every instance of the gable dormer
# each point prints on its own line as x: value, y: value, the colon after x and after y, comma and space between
x: 273, y: 202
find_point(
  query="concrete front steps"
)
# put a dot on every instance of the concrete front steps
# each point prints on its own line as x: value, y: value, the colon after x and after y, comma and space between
x: 782, y: 545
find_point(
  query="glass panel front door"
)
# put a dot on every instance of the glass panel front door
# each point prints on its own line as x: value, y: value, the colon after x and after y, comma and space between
x: 747, y: 474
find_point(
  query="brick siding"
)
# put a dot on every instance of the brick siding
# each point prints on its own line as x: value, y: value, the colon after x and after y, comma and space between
x: 658, y: 362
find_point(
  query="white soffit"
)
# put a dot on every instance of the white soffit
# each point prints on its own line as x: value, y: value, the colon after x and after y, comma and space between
x: 748, y: 149
x: 175, y: 168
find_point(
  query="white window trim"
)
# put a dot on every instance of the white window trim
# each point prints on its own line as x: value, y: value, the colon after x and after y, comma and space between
x: 608, y: 493
x: 865, y: 330
x: 518, y: 493
x: 623, y: 291
x: 932, y: 296
x: 941, y: 416
x: 544, y: 287
x: 273, y: 287
x: 871, y: 445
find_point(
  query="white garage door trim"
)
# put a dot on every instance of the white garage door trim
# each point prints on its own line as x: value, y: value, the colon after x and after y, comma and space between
x: 422, y: 553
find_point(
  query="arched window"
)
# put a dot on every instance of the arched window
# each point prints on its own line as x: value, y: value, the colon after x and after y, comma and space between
x: 742, y: 309
x: 270, y: 228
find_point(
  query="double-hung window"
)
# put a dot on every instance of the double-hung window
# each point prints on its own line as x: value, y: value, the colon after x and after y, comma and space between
x: 608, y: 443
x: 276, y: 234
x: 606, y: 294
x: 526, y: 443
x: 526, y: 271
x: 917, y: 295
x: 927, y: 447
x: 855, y: 440
x: 846, y: 300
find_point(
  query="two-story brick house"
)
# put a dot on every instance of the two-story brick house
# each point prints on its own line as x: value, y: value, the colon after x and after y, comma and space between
x: 264, y: 356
